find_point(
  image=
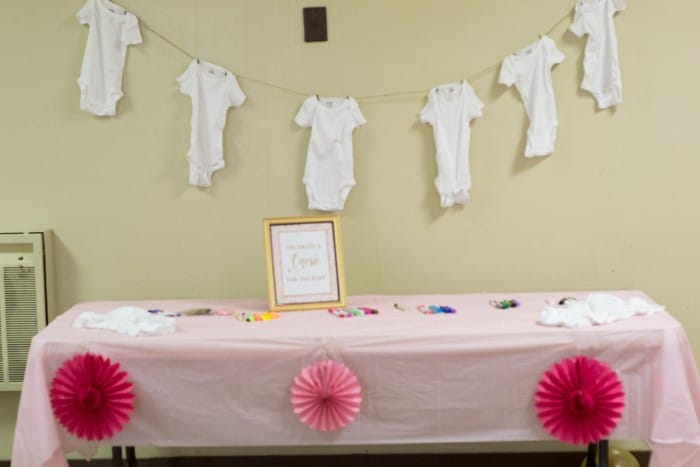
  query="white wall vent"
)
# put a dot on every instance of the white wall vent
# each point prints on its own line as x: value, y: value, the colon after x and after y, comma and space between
x: 24, y: 300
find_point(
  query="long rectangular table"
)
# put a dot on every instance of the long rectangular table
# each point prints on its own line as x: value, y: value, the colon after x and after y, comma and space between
x: 466, y: 377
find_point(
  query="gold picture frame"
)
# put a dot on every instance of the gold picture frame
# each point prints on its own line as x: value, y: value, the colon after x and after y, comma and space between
x: 304, y: 258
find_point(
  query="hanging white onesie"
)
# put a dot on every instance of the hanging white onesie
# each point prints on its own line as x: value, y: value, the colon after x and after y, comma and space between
x: 449, y: 110
x: 530, y: 70
x: 112, y: 30
x: 601, y: 68
x: 329, y: 175
x: 212, y: 90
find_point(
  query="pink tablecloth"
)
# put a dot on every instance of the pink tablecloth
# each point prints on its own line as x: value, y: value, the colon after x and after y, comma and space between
x: 467, y: 377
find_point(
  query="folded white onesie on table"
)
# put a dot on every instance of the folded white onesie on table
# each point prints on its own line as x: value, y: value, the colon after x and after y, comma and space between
x: 597, y: 308
x: 129, y: 320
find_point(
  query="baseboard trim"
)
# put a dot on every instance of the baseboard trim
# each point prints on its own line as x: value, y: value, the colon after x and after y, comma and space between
x: 529, y: 459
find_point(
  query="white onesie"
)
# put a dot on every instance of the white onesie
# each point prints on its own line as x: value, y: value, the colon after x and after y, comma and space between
x: 212, y: 90
x: 531, y: 71
x: 449, y: 110
x: 112, y: 30
x: 329, y: 163
x: 601, y: 68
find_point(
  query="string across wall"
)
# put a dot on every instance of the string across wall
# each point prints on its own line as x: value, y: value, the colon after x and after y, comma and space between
x: 397, y: 94
x: 449, y: 108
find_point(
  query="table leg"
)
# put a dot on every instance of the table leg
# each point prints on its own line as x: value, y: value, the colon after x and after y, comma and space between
x: 116, y: 456
x: 590, y: 455
x: 603, y: 453
x: 130, y: 456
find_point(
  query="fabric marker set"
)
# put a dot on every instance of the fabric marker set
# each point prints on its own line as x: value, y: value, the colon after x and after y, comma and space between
x: 429, y: 309
x: 436, y: 309
x: 250, y: 317
x: 351, y: 312
x: 245, y: 316
x: 504, y: 304
x: 189, y: 312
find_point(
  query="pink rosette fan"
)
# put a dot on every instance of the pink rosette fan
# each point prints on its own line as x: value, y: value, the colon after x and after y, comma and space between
x: 579, y: 400
x: 326, y: 395
x: 90, y: 397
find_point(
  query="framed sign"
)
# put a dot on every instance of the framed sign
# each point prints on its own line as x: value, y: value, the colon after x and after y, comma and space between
x: 304, y: 263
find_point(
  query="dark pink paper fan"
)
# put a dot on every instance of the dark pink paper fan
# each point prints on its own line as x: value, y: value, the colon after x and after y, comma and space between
x: 326, y: 395
x: 90, y: 397
x: 579, y: 400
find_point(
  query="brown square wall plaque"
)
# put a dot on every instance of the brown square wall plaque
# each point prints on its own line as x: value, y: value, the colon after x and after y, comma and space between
x: 315, y: 29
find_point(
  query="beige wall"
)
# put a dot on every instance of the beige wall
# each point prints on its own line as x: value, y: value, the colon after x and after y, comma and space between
x: 613, y: 208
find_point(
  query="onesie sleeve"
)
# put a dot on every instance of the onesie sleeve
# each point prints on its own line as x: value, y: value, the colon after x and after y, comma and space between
x: 618, y: 5
x: 86, y: 12
x: 507, y: 75
x: 306, y: 112
x: 185, y: 80
x: 473, y: 103
x: 235, y: 92
x: 555, y: 55
x: 427, y: 114
x: 131, y: 34
x: 577, y: 25
x: 357, y: 118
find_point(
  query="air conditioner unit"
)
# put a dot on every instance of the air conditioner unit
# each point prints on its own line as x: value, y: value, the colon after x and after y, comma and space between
x: 25, y: 301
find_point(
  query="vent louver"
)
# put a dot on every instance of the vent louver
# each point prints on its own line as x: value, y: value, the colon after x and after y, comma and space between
x: 2, y: 352
x: 24, y: 300
x: 20, y: 317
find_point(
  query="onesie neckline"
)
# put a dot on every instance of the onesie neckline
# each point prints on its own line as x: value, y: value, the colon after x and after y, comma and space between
x: 113, y: 9
x: 591, y: 4
x: 209, y: 70
x: 458, y: 86
x: 531, y: 49
x: 338, y: 102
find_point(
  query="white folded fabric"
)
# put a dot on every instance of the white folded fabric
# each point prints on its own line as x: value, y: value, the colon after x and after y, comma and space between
x: 597, y: 308
x: 129, y: 320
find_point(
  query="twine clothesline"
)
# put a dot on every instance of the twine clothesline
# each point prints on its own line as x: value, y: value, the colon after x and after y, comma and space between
x: 472, y: 77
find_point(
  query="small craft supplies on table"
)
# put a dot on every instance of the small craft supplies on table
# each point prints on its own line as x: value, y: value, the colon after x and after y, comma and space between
x: 436, y: 309
x: 350, y: 312
x: 484, y: 364
x: 178, y: 314
x: 504, y: 304
x: 253, y: 317
x: 427, y: 309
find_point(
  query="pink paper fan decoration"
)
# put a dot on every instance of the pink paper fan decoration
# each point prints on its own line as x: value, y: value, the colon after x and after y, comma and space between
x: 326, y: 395
x: 579, y: 400
x: 90, y: 397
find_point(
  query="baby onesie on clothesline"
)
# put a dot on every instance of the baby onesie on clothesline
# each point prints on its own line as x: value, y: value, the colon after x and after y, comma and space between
x: 530, y: 70
x: 601, y: 67
x: 449, y: 110
x: 329, y: 174
x: 212, y: 90
x: 112, y: 30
